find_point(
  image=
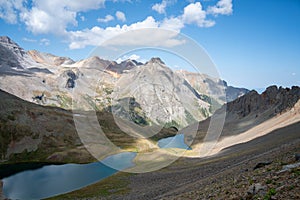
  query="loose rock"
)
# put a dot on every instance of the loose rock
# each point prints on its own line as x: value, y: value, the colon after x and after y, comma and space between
x: 297, y: 156
x: 262, y: 164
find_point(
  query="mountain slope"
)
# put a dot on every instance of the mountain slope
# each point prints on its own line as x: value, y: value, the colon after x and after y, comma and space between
x: 35, y: 133
x: 253, y: 115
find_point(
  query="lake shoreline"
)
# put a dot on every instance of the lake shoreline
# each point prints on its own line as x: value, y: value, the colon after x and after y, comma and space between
x: 9, y: 169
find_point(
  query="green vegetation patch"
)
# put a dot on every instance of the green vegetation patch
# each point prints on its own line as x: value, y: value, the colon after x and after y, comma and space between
x: 270, y: 193
x: 117, y: 184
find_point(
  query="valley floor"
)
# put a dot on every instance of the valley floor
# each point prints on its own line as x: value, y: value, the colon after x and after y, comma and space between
x: 228, y: 175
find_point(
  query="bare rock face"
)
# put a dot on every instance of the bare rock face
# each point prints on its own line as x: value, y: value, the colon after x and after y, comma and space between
x: 11, y: 45
x: 155, y: 60
x: 71, y: 78
x: 12, y: 57
x: 274, y: 99
x: 162, y: 94
x: 212, y: 87
x: 245, y: 104
x: 233, y: 93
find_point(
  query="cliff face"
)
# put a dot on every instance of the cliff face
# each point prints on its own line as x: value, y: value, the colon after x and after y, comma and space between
x: 274, y: 100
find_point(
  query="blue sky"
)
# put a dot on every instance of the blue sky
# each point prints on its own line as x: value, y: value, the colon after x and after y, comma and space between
x: 254, y: 43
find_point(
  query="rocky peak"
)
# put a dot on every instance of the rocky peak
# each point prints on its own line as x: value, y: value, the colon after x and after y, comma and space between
x: 10, y: 45
x: 7, y: 40
x: 127, y: 64
x: 13, y: 58
x: 93, y: 62
x: 270, y: 93
x: 95, y: 59
x: 136, y: 62
x: 155, y: 60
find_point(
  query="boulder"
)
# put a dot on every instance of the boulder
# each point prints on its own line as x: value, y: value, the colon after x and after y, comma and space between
x: 289, y: 167
x: 256, y: 188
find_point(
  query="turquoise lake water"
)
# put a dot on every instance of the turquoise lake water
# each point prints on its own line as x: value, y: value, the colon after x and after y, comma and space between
x: 176, y: 141
x: 52, y: 180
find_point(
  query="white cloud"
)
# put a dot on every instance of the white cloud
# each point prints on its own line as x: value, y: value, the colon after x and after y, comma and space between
x: 106, y: 19
x: 28, y: 40
x: 131, y: 57
x: 54, y: 16
x: 9, y: 10
x: 173, y: 23
x: 223, y: 7
x: 52, y: 5
x: 193, y: 14
x: 39, y: 21
x: 160, y: 7
x: 134, y: 57
x: 121, y: 16
x: 45, y: 42
x: 144, y: 36
x: 97, y: 35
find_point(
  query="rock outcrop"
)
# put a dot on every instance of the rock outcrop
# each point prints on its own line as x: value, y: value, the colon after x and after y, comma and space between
x: 274, y: 100
x: 71, y: 78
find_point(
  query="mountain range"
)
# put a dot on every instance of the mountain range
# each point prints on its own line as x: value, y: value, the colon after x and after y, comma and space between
x: 46, y: 79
